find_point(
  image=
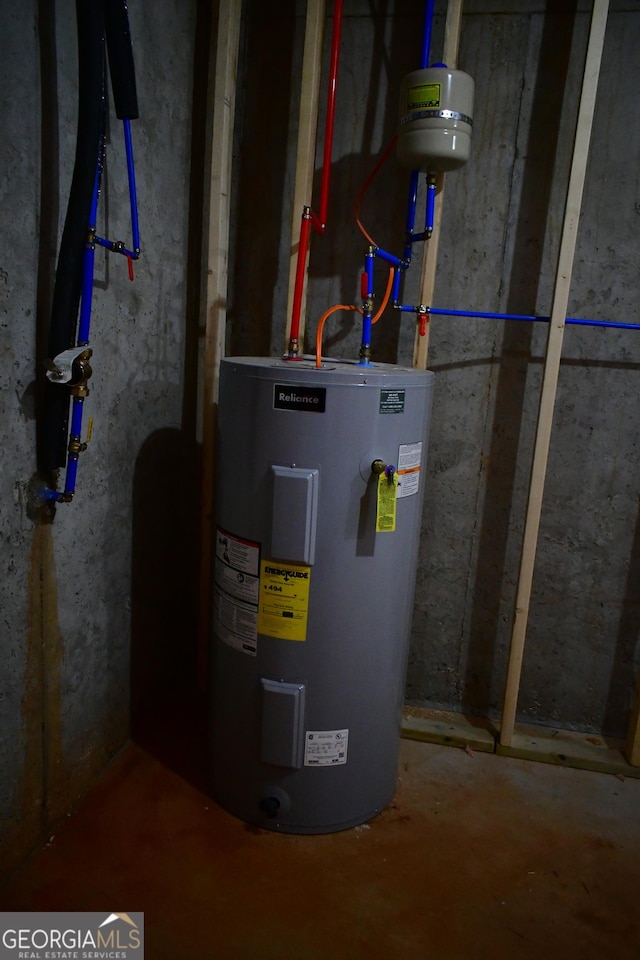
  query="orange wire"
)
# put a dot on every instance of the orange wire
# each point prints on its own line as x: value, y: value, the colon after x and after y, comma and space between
x: 385, y: 299
x: 367, y: 184
x: 350, y: 306
x: 327, y: 313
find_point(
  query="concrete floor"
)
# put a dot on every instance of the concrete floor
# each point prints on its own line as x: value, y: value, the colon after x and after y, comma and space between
x: 477, y: 857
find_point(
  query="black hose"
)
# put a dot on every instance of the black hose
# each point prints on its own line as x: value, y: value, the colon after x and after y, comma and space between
x: 68, y: 282
x: 121, y: 68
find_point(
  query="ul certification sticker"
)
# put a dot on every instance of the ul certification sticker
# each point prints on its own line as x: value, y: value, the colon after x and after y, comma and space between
x: 284, y: 600
x: 325, y: 748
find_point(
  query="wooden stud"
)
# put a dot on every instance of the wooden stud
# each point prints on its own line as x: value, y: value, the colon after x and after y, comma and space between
x: 224, y: 97
x: 306, y: 151
x: 632, y: 748
x: 552, y: 362
x: 430, y: 258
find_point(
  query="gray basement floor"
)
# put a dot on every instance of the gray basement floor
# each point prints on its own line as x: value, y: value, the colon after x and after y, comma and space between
x: 478, y: 857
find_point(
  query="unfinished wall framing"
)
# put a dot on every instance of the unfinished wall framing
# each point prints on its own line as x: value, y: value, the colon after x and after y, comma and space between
x: 499, y: 242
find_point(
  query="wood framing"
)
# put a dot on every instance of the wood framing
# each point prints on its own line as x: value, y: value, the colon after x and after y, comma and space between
x: 306, y: 150
x: 552, y: 362
x: 565, y: 748
x: 224, y: 98
x: 632, y: 748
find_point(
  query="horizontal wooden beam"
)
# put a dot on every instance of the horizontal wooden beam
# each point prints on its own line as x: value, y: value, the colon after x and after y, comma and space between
x: 448, y: 729
x: 566, y: 748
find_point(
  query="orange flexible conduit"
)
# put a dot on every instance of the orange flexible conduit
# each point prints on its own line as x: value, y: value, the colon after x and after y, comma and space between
x: 350, y: 306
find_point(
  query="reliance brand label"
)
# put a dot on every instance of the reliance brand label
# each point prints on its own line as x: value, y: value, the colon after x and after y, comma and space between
x: 287, y: 397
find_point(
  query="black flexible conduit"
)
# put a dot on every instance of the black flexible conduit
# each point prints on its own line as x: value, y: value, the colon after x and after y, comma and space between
x: 68, y: 282
x: 94, y: 19
x: 121, y: 68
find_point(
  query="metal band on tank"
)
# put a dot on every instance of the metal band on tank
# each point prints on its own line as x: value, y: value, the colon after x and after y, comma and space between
x: 436, y: 115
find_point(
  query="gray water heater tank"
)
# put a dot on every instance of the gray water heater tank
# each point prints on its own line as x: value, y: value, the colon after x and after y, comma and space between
x: 320, y: 483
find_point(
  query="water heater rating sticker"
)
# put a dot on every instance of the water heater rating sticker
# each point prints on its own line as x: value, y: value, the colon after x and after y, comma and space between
x: 392, y: 401
x: 284, y: 600
x: 325, y: 748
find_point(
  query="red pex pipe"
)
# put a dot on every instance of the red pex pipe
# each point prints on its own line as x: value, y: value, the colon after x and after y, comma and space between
x: 331, y: 113
x: 303, y: 247
x: 309, y: 218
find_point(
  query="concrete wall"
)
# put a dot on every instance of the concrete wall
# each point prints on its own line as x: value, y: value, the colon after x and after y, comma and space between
x: 80, y: 597
x: 105, y: 596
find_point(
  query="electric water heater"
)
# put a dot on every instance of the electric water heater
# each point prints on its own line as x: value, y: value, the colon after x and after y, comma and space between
x: 320, y: 482
x: 436, y: 116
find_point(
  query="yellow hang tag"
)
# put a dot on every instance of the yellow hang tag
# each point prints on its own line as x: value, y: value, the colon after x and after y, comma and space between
x: 386, y: 506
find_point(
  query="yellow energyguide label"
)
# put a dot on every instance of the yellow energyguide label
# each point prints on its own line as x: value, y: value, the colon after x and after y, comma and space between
x: 423, y: 95
x: 386, y: 505
x: 284, y: 600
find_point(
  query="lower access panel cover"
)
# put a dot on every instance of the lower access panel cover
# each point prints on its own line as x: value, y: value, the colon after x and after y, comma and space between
x: 282, y: 723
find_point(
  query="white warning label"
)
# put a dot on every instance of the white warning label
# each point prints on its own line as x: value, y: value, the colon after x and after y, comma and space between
x: 409, y: 463
x: 235, y: 623
x: 240, y: 554
x: 325, y: 748
x: 235, y: 583
x: 235, y: 608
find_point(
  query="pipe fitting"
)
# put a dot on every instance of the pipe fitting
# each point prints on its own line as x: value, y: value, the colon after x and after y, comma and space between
x: 80, y: 373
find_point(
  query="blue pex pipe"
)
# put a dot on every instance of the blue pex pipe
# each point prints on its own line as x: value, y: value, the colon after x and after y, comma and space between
x: 532, y: 318
x: 71, y: 476
x: 84, y: 322
x: 429, y: 216
x: 133, y: 196
x: 389, y: 257
x: 395, y: 296
x: 369, y: 263
x: 366, y: 334
x: 412, y: 202
x: 426, y: 37
x: 75, y: 431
